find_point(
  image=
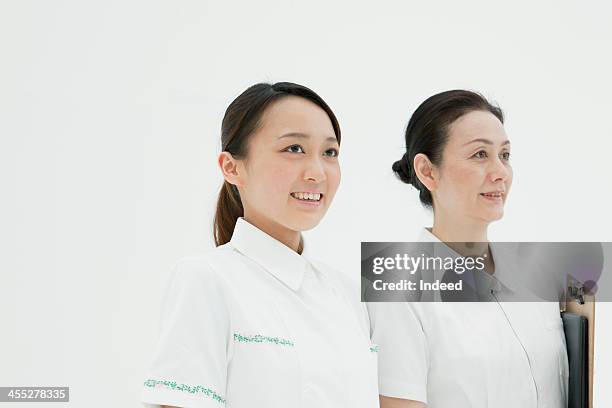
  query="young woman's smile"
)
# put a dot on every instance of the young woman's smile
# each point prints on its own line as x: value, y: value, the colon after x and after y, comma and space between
x: 291, y: 173
x: 308, y: 198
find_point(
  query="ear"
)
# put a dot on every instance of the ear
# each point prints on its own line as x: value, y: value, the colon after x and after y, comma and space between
x: 230, y: 168
x: 425, y: 171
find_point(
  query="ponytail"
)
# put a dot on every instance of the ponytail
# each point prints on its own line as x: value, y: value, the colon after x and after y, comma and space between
x: 229, y: 208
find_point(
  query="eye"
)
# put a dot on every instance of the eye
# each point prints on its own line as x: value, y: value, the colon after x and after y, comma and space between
x: 481, y: 154
x: 331, y: 153
x: 505, y: 156
x: 294, y: 149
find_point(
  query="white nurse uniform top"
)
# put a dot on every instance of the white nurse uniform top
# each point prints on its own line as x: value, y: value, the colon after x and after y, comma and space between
x: 472, y: 355
x: 254, y: 324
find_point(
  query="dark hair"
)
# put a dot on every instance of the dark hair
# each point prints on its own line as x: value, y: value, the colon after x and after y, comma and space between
x: 242, y: 118
x: 427, y: 131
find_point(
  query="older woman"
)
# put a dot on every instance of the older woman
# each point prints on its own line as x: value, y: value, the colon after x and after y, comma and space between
x: 454, y: 355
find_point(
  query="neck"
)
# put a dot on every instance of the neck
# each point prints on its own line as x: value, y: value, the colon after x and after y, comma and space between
x: 284, y: 235
x: 465, y: 236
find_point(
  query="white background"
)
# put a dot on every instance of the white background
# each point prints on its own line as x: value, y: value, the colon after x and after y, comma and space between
x: 110, y: 126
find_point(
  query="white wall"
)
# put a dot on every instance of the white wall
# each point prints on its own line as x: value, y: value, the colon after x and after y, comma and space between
x: 110, y: 117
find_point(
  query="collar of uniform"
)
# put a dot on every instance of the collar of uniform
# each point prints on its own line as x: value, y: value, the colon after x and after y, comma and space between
x: 427, y: 236
x: 275, y: 257
x: 440, y: 250
x: 443, y: 251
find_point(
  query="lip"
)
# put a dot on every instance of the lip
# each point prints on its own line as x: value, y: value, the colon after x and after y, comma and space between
x: 499, y: 196
x: 307, y: 190
x: 308, y: 204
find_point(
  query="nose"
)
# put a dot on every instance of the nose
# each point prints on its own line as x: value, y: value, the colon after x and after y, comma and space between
x: 499, y: 170
x: 314, y: 171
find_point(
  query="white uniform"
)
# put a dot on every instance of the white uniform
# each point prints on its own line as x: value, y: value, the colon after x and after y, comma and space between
x: 472, y: 355
x: 254, y: 324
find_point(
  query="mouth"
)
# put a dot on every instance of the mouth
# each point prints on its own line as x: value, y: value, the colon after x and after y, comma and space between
x: 307, y: 197
x: 493, y: 195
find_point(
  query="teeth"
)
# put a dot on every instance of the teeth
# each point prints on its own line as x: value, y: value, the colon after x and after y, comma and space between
x: 307, y: 196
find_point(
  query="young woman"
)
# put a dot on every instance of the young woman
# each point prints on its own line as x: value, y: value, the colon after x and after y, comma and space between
x: 257, y: 322
x: 456, y: 355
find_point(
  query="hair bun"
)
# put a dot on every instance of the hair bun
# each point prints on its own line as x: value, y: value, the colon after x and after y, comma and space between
x: 402, y: 169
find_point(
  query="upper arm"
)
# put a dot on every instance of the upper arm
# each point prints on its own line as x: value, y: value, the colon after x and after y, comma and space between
x: 403, y: 357
x: 189, y: 367
x: 390, y: 402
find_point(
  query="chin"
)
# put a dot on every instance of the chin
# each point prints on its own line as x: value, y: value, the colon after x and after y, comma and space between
x: 496, y: 216
x: 489, y: 216
x: 303, y: 224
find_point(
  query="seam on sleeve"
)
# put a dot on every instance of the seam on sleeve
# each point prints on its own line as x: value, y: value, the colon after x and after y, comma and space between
x: 190, y: 389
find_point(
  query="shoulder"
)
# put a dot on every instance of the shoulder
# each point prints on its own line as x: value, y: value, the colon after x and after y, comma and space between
x: 198, y: 287
x: 206, y: 267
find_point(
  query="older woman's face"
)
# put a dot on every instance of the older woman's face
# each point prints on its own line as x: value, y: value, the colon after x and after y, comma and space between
x: 475, y: 175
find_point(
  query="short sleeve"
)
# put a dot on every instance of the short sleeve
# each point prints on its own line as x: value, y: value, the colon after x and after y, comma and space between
x: 403, y: 356
x: 189, y: 367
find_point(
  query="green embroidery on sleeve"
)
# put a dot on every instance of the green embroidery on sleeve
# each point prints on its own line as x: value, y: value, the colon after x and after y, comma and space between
x: 258, y: 338
x: 374, y: 348
x: 191, y: 389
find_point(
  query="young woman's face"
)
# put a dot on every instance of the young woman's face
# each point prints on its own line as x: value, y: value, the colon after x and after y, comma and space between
x: 291, y: 172
x: 475, y: 175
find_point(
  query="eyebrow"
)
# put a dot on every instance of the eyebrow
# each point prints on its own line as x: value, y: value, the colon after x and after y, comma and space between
x: 305, y: 136
x: 485, y: 141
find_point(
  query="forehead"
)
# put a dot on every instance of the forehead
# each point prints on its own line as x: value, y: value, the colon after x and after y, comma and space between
x: 476, y: 125
x: 293, y: 114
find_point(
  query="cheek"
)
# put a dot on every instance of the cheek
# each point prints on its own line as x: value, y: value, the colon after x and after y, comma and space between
x: 279, y: 179
x: 333, y: 178
x: 463, y: 180
x: 510, y: 178
x: 269, y: 178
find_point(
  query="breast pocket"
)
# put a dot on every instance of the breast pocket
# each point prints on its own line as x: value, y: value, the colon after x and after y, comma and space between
x: 264, y: 369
